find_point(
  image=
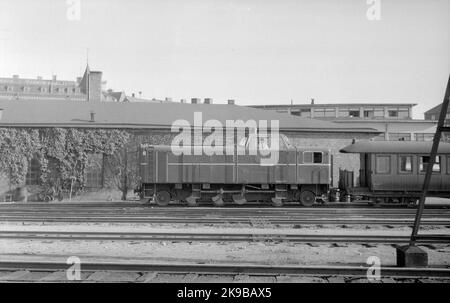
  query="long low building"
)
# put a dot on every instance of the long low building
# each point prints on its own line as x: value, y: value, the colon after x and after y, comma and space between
x: 152, y: 123
x: 394, y: 121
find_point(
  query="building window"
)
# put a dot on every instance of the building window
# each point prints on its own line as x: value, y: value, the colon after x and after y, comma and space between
x: 383, y: 164
x: 306, y: 113
x: 393, y: 114
x: 94, y: 171
x: 325, y: 112
x: 369, y: 114
x: 405, y: 163
x: 424, y: 137
x: 379, y: 112
x: 34, y: 172
x: 399, y: 137
x: 353, y: 113
x: 424, y: 160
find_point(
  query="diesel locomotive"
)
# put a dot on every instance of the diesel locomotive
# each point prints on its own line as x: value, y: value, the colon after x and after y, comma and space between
x: 390, y: 171
x: 300, y: 174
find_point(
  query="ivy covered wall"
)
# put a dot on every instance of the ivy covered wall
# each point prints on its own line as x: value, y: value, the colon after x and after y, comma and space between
x: 63, y: 154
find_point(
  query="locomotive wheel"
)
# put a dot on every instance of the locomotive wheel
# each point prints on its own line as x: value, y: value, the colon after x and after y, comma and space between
x: 162, y: 198
x: 277, y: 202
x: 239, y: 199
x: 307, y: 198
x: 191, y: 201
x: 218, y: 200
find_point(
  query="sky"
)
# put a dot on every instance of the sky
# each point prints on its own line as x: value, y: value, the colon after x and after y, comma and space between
x: 252, y: 51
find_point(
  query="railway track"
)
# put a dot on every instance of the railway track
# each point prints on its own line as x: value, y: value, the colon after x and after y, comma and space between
x: 208, y: 215
x: 250, y: 221
x: 145, y: 272
x: 220, y: 237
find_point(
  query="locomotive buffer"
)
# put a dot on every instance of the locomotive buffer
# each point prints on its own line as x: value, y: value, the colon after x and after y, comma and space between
x: 411, y: 255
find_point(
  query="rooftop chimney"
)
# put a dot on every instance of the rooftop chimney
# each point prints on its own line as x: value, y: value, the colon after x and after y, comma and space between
x: 230, y: 102
x: 54, y: 78
x: 168, y: 99
x: 92, y: 116
x: 208, y: 101
x: 79, y: 80
x: 39, y: 77
x: 132, y: 95
x: 195, y: 100
x: 183, y: 101
x: 312, y: 101
x: 140, y: 94
x: 15, y: 76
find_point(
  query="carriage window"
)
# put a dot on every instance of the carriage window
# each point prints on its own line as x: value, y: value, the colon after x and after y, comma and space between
x: 317, y: 157
x: 405, y: 164
x: 383, y: 164
x: 424, y: 160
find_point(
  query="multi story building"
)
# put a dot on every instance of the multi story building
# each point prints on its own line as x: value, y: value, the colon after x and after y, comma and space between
x: 86, y: 88
x: 433, y: 115
x: 393, y: 120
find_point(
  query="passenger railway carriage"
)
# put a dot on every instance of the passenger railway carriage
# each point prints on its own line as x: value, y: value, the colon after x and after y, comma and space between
x: 301, y: 174
x: 395, y: 171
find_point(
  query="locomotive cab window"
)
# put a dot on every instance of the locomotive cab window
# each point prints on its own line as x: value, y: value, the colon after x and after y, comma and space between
x: 424, y: 160
x: 312, y: 157
x: 405, y: 164
x: 383, y: 164
x: 317, y: 157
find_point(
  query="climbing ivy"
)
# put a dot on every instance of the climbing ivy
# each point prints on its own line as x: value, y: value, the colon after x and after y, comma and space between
x: 17, y: 147
x: 62, y: 152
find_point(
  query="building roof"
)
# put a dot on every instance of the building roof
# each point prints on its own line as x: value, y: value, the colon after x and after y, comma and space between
x: 436, y: 110
x: 308, y: 105
x: 394, y: 147
x: 384, y: 120
x: 137, y: 115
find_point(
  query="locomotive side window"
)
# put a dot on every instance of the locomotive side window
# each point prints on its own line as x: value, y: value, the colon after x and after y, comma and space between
x: 383, y: 164
x: 405, y: 163
x: 312, y: 157
x: 307, y: 157
x: 317, y: 157
x: 424, y: 160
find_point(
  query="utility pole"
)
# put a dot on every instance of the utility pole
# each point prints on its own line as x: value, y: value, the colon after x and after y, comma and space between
x: 410, y: 255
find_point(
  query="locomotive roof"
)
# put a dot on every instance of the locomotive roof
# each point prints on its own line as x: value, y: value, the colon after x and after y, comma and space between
x: 395, y: 147
x: 140, y: 115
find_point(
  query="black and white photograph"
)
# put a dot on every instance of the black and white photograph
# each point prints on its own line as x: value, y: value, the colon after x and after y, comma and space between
x: 224, y: 148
